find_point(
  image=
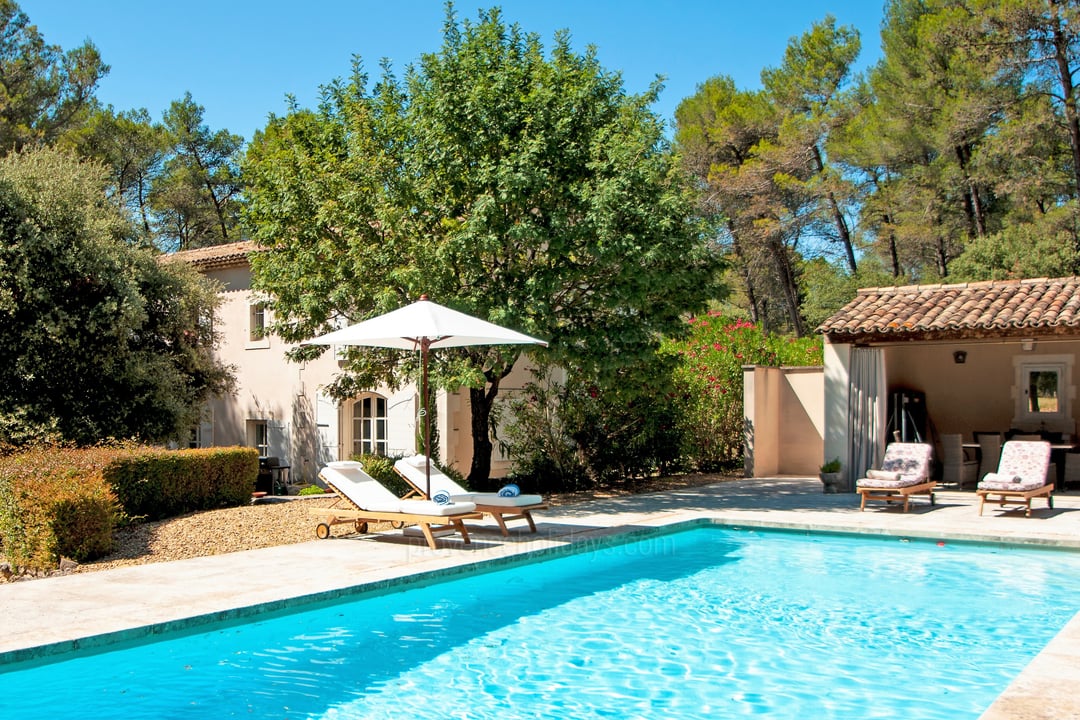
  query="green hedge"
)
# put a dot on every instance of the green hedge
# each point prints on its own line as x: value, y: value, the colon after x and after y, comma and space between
x: 154, y: 484
x: 65, y: 502
x: 56, y: 503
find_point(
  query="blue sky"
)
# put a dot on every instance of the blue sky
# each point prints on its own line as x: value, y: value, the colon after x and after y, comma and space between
x: 240, y: 58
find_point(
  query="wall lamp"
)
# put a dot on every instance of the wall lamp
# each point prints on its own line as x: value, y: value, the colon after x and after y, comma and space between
x: 1027, y: 344
x: 959, y: 357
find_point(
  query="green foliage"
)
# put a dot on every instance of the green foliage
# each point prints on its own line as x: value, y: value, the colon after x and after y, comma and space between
x: 311, y: 490
x: 55, y: 503
x: 708, y: 381
x: 196, y: 196
x: 529, y: 190
x: 381, y: 468
x: 538, y: 438
x: 44, y: 90
x: 154, y: 484
x: 64, y: 502
x: 832, y: 466
x: 1047, y: 247
x: 101, y: 339
x: 576, y: 433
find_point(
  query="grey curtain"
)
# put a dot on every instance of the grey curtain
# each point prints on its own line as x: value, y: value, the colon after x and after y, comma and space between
x: 866, y: 412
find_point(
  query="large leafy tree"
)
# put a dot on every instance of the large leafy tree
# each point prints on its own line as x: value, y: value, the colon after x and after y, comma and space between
x: 44, y: 91
x: 525, y: 188
x: 101, y: 340
x: 133, y: 148
x: 196, y: 198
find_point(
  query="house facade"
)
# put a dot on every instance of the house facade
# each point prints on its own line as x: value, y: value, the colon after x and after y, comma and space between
x: 281, y: 407
x: 916, y: 362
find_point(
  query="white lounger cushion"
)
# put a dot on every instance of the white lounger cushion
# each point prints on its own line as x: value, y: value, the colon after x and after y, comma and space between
x: 368, y: 493
x: 496, y: 500
x: 412, y: 467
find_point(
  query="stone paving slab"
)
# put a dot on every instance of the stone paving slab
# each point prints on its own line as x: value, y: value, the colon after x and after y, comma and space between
x: 43, y: 617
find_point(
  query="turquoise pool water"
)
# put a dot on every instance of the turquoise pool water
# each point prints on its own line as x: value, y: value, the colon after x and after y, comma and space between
x: 700, y: 624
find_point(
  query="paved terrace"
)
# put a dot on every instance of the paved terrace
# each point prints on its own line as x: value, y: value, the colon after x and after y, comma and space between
x: 48, y: 616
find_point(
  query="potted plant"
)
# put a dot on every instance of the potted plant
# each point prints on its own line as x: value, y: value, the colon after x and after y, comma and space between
x: 830, y: 475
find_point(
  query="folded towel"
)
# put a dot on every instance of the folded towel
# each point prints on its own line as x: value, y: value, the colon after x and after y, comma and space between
x: 441, y: 497
x: 510, y: 490
x: 882, y: 475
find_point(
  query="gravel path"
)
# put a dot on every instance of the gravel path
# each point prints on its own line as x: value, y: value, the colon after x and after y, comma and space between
x: 277, y: 521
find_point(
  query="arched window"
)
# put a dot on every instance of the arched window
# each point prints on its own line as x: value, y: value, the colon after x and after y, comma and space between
x: 369, y: 425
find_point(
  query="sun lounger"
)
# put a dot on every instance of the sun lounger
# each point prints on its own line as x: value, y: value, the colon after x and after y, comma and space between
x: 905, y: 471
x: 501, y: 507
x: 1021, y: 476
x: 368, y: 501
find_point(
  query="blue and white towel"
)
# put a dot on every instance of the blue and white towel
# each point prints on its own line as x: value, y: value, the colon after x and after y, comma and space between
x: 510, y: 490
x: 441, y: 497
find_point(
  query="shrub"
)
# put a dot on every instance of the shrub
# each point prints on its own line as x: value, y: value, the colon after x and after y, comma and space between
x: 381, y: 468
x: 155, y: 484
x: 574, y: 434
x: 708, y: 381
x: 56, y: 503
x: 65, y: 502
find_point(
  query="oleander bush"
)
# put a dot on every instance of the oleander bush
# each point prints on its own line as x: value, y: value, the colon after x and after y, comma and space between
x: 65, y: 502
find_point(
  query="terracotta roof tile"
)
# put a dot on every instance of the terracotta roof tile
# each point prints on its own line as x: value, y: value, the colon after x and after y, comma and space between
x: 215, y: 256
x: 1000, y: 307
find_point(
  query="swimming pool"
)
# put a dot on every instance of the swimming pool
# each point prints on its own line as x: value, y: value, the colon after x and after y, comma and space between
x: 704, y: 623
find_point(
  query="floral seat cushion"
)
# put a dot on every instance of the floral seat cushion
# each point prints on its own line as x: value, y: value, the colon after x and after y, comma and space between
x: 904, y: 465
x: 1022, y: 467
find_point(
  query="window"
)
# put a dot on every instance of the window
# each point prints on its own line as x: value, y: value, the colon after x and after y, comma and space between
x: 259, y: 436
x: 201, y: 434
x: 257, y: 337
x: 1043, y: 391
x: 369, y: 425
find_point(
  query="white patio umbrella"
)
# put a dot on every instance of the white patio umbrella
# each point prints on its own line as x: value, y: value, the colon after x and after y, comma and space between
x: 422, y: 326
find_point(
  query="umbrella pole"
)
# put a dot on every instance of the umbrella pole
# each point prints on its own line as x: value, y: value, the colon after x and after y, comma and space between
x: 425, y: 345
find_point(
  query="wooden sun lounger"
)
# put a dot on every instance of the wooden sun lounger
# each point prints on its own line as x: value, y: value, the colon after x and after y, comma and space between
x: 429, y: 524
x: 501, y: 513
x: 901, y: 494
x: 1018, y: 497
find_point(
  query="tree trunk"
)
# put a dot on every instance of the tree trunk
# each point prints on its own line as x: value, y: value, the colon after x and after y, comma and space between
x: 480, y: 402
x: 786, y: 275
x: 842, y: 229
x: 744, y: 270
x: 973, y: 207
x: 1061, y: 57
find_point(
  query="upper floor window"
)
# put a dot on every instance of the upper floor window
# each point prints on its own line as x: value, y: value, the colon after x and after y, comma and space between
x: 257, y: 322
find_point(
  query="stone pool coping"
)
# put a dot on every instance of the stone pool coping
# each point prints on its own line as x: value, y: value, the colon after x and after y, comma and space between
x: 45, y: 617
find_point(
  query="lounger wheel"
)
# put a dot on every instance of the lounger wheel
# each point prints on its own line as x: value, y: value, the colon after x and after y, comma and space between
x: 322, y: 531
x: 397, y: 525
x: 361, y: 527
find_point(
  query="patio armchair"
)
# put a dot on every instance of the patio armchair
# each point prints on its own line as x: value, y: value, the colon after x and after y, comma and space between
x: 956, y: 468
x: 905, y: 471
x: 989, y: 451
x: 1021, y: 476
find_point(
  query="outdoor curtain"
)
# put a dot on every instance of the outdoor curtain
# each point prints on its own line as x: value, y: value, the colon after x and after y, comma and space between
x: 866, y: 412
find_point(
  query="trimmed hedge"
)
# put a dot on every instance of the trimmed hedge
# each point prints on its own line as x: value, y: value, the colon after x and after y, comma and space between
x: 154, y: 484
x: 56, y: 503
x: 65, y: 502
